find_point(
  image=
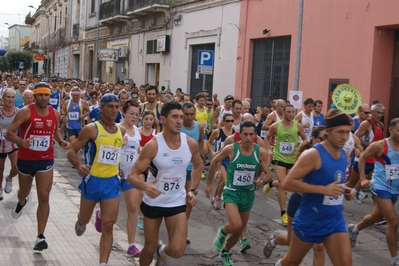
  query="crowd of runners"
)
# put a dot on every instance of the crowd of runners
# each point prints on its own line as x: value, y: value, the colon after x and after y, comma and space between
x: 152, y: 145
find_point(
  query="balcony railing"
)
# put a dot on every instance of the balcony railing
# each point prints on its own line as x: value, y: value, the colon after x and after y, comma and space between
x: 139, y: 4
x: 111, y: 9
x: 29, y: 19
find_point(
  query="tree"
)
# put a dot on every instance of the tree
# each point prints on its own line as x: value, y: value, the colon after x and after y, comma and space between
x: 13, y: 59
x: 3, y: 65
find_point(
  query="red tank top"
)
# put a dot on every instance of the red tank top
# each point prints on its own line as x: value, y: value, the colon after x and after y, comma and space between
x: 145, y: 139
x: 376, y: 134
x: 41, y: 131
x: 237, y: 137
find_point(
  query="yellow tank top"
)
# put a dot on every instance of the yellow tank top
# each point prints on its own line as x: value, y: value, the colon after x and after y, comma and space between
x: 104, y: 152
x: 201, y: 117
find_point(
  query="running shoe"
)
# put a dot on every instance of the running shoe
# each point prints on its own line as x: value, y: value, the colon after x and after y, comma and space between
x: 225, y: 257
x: 356, y: 199
x: 14, y: 213
x: 352, y: 235
x: 220, y: 238
x: 284, y: 219
x: 140, y: 223
x: 161, y: 260
x: 132, y: 251
x: 268, y: 248
x: 266, y: 189
x: 212, y: 201
x: 395, y: 261
x: 382, y: 222
x: 217, y: 205
x: 8, y: 187
x: 97, y: 224
x: 40, y: 244
x: 362, y: 196
x: 79, y: 229
x: 244, y: 245
x: 1, y: 194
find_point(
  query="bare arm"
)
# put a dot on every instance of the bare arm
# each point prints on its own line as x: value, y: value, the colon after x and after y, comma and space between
x: 196, y: 160
x: 272, y: 131
x: 11, y: 134
x: 216, y: 117
x: 268, y: 122
x: 214, y: 135
x: 301, y: 132
x: 201, y: 138
x: 363, y: 129
x: 298, y: 117
x: 375, y: 149
x: 86, y: 110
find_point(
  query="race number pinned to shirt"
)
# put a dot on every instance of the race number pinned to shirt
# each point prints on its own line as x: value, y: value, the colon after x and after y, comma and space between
x: 392, y: 171
x: 170, y: 184
x: 243, y: 178
x: 73, y: 116
x: 263, y: 133
x: 331, y: 201
x: 128, y: 157
x: 108, y: 155
x: 53, y: 101
x: 287, y: 147
x: 2, y: 134
x: 40, y: 143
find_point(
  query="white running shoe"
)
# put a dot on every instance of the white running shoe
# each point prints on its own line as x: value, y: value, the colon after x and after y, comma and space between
x: 352, y: 235
x: 8, y: 187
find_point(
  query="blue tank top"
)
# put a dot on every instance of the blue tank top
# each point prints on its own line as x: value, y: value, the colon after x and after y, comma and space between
x: 73, y: 115
x: 386, y: 170
x: 55, y: 99
x: 318, y: 210
x: 192, y: 133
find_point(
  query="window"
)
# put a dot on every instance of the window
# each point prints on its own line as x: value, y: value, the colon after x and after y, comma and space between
x: 60, y: 17
x: 93, y: 6
x: 152, y: 47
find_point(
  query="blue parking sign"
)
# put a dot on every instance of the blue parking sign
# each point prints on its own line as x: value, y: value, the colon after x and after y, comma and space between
x: 205, y: 62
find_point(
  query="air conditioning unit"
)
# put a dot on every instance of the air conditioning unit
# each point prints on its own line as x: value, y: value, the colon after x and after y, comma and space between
x: 123, y: 51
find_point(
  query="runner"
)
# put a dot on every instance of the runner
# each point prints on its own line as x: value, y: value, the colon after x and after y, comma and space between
x: 102, y: 141
x: 286, y: 134
x: 318, y: 117
x: 236, y: 111
x: 244, y: 157
x: 384, y: 187
x: 319, y: 174
x: 363, y: 113
x: 260, y: 119
x: 55, y: 97
x: 220, y: 135
x: 7, y: 148
x: 201, y: 116
x: 305, y: 117
x: 221, y: 110
x: 151, y: 93
x: 283, y: 239
x: 38, y: 128
x: 370, y: 130
x: 168, y: 156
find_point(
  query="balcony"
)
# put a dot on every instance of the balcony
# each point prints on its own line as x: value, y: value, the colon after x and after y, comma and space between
x: 112, y: 10
x: 139, y: 6
x: 29, y: 19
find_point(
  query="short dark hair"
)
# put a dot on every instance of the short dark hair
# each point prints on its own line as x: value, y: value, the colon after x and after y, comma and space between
x: 42, y: 84
x: 236, y: 101
x: 318, y: 102
x: 129, y: 103
x: 287, y: 105
x: 394, y: 122
x: 167, y: 107
x: 150, y: 88
x: 187, y: 105
x: 199, y: 96
x: 247, y: 123
x: 226, y: 115
x: 308, y: 101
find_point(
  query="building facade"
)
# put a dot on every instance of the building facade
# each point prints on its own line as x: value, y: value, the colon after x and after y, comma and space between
x: 18, y: 36
x: 355, y: 42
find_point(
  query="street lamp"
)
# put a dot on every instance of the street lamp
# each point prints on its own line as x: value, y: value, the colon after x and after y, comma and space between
x: 18, y: 46
x: 48, y: 39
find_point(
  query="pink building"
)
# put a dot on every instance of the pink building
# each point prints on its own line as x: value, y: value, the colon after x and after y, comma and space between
x: 355, y: 42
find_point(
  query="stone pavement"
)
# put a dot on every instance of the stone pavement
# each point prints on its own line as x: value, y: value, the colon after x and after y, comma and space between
x: 65, y: 248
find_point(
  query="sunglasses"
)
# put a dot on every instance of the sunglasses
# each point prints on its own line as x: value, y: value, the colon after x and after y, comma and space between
x: 367, y: 113
x: 321, y: 138
x: 208, y: 104
x: 229, y: 121
x: 134, y: 97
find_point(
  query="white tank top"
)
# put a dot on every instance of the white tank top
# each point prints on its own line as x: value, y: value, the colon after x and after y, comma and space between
x: 130, y: 152
x: 222, y: 113
x: 169, y: 167
x: 277, y: 117
x: 307, y: 119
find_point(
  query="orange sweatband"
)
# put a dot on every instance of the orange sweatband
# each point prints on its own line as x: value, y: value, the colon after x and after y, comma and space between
x: 41, y: 90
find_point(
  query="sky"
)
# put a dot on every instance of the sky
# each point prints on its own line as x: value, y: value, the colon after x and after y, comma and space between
x: 14, y: 12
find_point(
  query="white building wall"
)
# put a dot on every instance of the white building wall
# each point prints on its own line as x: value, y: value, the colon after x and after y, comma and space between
x: 138, y: 58
x: 61, y: 62
x: 225, y: 17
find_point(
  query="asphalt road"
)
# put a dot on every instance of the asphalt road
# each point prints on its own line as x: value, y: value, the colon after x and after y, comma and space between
x: 371, y: 248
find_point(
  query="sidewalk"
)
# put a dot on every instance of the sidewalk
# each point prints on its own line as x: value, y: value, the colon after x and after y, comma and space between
x: 65, y: 248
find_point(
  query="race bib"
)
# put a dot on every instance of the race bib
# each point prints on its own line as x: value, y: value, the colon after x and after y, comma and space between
x: 40, y: 143
x: 53, y: 101
x: 287, y: 147
x: 2, y: 134
x: 108, y: 155
x: 243, y: 178
x: 331, y: 201
x: 170, y: 184
x: 128, y: 157
x: 392, y: 171
x: 263, y: 133
x: 73, y: 115
x: 308, y: 131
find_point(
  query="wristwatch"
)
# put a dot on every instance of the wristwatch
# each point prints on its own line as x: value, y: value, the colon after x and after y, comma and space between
x: 195, y: 191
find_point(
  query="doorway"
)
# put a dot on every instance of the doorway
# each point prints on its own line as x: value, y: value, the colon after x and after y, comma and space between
x: 153, y: 74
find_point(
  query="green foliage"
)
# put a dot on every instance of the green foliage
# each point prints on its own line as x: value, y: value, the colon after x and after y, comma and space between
x: 3, y: 66
x: 12, y: 59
